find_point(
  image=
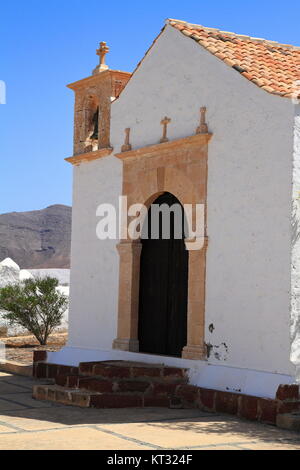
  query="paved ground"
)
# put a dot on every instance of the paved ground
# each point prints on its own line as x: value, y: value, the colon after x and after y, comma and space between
x: 29, y: 424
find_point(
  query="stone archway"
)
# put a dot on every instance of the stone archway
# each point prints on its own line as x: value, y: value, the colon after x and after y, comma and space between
x: 180, y: 168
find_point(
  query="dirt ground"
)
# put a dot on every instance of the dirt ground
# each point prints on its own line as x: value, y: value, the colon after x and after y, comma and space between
x: 20, y: 348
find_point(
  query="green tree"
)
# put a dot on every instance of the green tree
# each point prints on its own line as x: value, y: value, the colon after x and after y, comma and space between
x: 35, y: 304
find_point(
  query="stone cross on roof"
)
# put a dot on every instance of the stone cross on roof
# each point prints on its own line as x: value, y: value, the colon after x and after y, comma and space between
x: 101, y: 52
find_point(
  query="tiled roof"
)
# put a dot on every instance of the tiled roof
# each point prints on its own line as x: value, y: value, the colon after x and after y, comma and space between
x: 272, y: 66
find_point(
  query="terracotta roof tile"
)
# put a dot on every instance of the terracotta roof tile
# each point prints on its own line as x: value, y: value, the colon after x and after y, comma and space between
x: 272, y: 66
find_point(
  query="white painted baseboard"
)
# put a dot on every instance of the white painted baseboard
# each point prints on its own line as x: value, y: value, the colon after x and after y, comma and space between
x: 201, y: 373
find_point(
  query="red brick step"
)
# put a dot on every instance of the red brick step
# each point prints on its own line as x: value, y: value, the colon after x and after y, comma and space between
x: 113, y: 384
x: 119, y: 384
x: 86, y: 399
x: 132, y: 370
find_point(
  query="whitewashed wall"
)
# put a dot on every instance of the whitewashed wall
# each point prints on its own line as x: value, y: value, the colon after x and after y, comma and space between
x: 94, y: 263
x: 295, y: 310
x: 249, y: 204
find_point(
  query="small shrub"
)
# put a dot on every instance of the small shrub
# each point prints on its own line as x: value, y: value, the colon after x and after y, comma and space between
x: 35, y: 304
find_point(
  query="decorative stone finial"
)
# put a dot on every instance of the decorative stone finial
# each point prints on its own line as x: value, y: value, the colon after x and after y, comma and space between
x: 101, y: 52
x: 127, y: 146
x: 203, y: 128
x: 165, y: 123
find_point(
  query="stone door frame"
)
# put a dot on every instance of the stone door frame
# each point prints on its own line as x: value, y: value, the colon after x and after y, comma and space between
x: 180, y: 168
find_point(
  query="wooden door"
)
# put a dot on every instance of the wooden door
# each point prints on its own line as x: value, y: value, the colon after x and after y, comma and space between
x: 163, y: 288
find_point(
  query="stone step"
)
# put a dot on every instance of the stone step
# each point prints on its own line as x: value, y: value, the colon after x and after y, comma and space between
x: 58, y: 394
x: 133, y: 370
x: 46, y: 370
x: 101, y: 385
x: 114, y: 384
x: 88, y: 399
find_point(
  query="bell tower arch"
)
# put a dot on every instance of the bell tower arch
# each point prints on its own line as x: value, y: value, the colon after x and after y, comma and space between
x: 93, y: 98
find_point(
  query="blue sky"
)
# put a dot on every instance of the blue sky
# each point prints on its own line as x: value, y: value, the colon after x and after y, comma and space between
x: 45, y: 45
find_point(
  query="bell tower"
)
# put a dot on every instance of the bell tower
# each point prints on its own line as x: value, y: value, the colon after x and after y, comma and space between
x: 93, y: 98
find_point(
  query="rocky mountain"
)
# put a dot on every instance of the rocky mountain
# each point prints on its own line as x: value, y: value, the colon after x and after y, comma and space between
x: 37, y: 239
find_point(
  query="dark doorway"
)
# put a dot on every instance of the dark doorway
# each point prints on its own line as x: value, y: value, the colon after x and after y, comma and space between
x: 163, y: 282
